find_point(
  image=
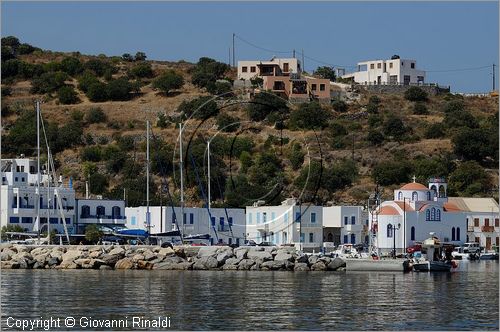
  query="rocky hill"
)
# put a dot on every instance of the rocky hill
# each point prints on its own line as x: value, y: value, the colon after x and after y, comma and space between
x: 95, y: 110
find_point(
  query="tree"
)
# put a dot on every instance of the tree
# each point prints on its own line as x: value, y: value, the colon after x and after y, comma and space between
x: 99, y: 66
x: 415, y: 93
x: 425, y: 168
x: 93, y: 233
x: 459, y: 119
x: 296, y: 156
x: 339, y: 105
x: 391, y: 172
x: 96, y: 115
x: 469, y: 179
x: 128, y: 57
x: 10, y: 41
x: 91, y: 153
x: 434, y: 130
x: 67, y: 95
x: 309, y: 116
x: 97, y: 92
x: 206, y: 72
x: 119, y: 89
x: 325, y: 72
x: 162, y: 121
x: 227, y: 123
x: 473, y: 144
x: 86, y: 80
x: 72, y: 66
x: 168, y: 81
x: 48, y: 82
x: 26, y: 49
x: 263, y: 104
x: 140, y: 56
x: 375, y: 137
x: 200, y: 108
x: 98, y: 183
x: 10, y: 228
x: 141, y: 70
x: 394, y: 126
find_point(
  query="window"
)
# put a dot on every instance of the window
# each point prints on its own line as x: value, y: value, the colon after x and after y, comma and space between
x: 412, y: 233
x: 229, y: 241
x: 346, y: 220
x: 252, y: 69
x: 389, y: 230
x: 321, y: 87
x: 345, y: 238
x: 27, y: 220
x: 22, y: 179
x: 313, y: 217
x: 414, y: 196
x: 230, y: 221
x: 402, y: 64
x: 496, y: 222
x: 85, y: 211
x: 453, y: 233
x: 285, y: 67
x: 54, y: 220
x: 16, y: 178
x: 14, y: 220
x: 400, y: 196
x: 476, y: 222
x: 438, y: 215
x: 476, y: 239
x: 264, y: 217
x: 301, y: 237
x: 393, y: 79
x: 353, y: 238
x: 250, y: 218
x: 311, y: 237
x: 258, y: 217
x: 428, y: 195
x: 244, y: 69
x: 427, y: 215
x: 412, y: 65
x: 285, y: 237
x: 133, y: 222
x: 313, y: 87
x: 353, y: 220
x: 184, y: 220
x: 100, y: 211
x: 221, y: 221
x: 433, y: 213
x: 458, y: 234
x: 297, y: 216
x: 372, y: 66
x: 390, y: 64
x: 379, y: 65
x: 420, y: 79
x: 487, y: 222
x: 212, y: 220
x: 116, y: 211
x: 191, y: 218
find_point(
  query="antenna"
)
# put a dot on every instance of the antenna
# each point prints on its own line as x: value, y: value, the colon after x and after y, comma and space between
x: 234, y: 63
x: 493, y: 77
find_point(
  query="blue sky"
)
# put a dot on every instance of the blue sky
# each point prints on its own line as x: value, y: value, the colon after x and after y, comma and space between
x: 440, y: 36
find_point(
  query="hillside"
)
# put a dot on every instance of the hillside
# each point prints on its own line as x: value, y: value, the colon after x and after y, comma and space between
x: 99, y: 134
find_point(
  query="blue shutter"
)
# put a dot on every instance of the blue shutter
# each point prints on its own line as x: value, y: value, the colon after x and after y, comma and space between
x: 345, y: 238
x: 353, y: 238
x: 191, y: 218
x: 297, y: 216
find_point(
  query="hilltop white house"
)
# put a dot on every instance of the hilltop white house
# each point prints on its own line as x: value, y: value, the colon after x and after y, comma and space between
x: 275, y: 67
x: 395, y: 71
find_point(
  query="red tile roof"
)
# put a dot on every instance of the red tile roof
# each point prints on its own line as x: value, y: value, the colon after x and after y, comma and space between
x: 413, y: 186
x: 450, y: 207
x: 388, y: 211
x: 408, y: 207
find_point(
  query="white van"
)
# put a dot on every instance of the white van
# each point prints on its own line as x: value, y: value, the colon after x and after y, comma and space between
x: 472, y: 247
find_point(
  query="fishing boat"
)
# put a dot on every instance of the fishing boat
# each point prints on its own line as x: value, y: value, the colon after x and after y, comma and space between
x: 433, y: 261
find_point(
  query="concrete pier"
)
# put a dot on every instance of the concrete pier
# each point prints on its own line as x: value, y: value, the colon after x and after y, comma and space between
x: 388, y: 265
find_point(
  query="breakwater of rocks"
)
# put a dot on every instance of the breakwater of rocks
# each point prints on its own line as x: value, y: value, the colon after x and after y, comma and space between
x: 157, y: 258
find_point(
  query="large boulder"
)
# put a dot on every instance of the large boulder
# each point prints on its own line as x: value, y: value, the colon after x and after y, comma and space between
x: 273, y: 265
x: 124, y: 264
x: 110, y: 259
x: 53, y: 261
x: 117, y: 251
x: 318, y: 266
x: 169, y: 263
x: 241, y: 252
x: 22, y: 255
x: 245, y: 264
x: 144, y: 265
x: 137, y: 257
x: 301, y: 267
x: 41, y: 258
x: 325, y: 260
x: 6, y: 256
x: 164, y: 252
x: 336, y: 263
x: 206, y: 263
x: 71, y: 255
x: 84, y: 263
x: 209, y: 251
x: 302, y: 259
x: 284, y: 256
x: 223, y: 256
x: 39, y: 250
x: 259, y: 256
x: 313, y: 260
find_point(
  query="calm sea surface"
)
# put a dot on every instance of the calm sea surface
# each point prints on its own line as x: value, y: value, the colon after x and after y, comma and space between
x: 257, y: 300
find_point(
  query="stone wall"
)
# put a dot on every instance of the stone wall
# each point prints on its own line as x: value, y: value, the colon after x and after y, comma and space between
x: 400, y: 89
x: 156, y: 258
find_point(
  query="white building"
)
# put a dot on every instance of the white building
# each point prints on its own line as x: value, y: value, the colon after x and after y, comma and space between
x: 482, y: 218
x: 104, y: 212
x: 20, y: 205
x: 416, y: 211
x: 275, y: 67
x: 393, y: 71
x: 290, y: 223
x: 345, y: 224
x: 223, y: 225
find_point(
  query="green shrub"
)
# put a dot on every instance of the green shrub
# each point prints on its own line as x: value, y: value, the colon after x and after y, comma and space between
x: 99, y: 67
x: 374, y: 100
x: 200, y: 108
x: 325, y: 72
x: 97, y: 92
x: 162, y: 121
x: 336, y: 129
x: 375, y: 120
x: 48, y: 82
x: 459, y: 119
x: 98, y: 183
x: 309, y: 116
x: 469, y: 179
x: 207, y: 71
x: 455, y: 105
x: 119, y: 89
x: 93, y: 233
x: 296, y: 156
x: 96, y: 115
x: 391, y: 172
x: 86, y: 80
x: 6, y: 91
x: 72, y: 66
x: 372, y: 108
x: 168, y: 81
x: 474, y: 144
x: 91, y: 153
x: 420, y: 109
x: 434, y: 130
x: 141, y: 70
x: 26, y: 49
x: 394, y: 126
x: 67, y: 95
x: 227, y: 123
x: 263, y: 104
x: 375, y: 137
x: 339, y: 106
x: 415, y: 93
x: 126, y: 142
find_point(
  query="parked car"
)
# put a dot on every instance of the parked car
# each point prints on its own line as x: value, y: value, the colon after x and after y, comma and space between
x: 251, y: 243
x: 472, y: 248
x: 265, y: 244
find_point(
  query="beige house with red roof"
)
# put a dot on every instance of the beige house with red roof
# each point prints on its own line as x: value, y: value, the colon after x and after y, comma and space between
x: 416, y: 211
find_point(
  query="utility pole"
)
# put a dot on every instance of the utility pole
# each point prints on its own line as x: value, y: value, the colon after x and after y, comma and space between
x: 182, y: 176
x: 208, y: 162
x: 229, y: 61
x: 294, y: 54
x: 303, y: 63
x: 148, y: 216
x: 234, y: 63
x: 493, y: 77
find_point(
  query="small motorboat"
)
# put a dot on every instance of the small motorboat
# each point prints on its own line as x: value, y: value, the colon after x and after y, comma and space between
x: 434, y: 261
x: 433, y: 266
x: 488, y: 256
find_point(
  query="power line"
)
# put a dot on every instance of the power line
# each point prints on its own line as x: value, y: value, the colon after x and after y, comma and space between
x: 261, y: 48
x: 457, y: 70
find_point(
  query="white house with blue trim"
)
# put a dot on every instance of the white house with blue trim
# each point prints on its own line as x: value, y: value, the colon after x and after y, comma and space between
x: 290, y: 223
x: 345, y: 224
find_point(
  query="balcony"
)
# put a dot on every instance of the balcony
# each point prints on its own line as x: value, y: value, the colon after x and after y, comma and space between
x: 89, y: 216
x: 487, y: 229
x: 223, y: 228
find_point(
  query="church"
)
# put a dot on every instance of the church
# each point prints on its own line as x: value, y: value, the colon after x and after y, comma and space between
x: 416, y: 211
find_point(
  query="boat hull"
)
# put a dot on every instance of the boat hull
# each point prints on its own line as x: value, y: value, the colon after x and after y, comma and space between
x: 432, y: 267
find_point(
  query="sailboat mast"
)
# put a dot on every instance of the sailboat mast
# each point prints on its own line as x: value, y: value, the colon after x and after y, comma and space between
x: 182, y: 176
x: 48, y: 195
x: 38, y: 167
x: 208, y: 150
x: 148, y: 219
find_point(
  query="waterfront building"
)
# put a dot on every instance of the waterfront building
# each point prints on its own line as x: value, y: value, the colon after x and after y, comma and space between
x: 482, y: 219
x: 222, y: 225
x: 105, y: 212
x: 345, y: 224
x: 415, y: 211
x: 19, y: 201
x: 292, y: 223
x: 395, y: 71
